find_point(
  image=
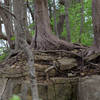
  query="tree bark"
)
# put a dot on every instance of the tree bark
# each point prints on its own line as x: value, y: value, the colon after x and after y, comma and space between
x: 82, y: 20
x: 67, y: 21
x: 21, y: 43
x: 43, y: 39
x: 96, y: 23
x: 21, y: 15
x: 55, y: 21
x: 60, y: 24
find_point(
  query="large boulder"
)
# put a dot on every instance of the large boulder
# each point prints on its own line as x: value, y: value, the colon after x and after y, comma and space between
x: 89, y: 88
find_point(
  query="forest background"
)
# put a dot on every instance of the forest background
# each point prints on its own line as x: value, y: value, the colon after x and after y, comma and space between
x: 80, y: 21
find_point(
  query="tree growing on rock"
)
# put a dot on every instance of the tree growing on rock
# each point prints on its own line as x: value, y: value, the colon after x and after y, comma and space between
x: 43, y: 38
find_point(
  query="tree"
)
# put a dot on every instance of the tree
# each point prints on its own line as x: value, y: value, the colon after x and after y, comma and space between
x: 82, y: 20
x: 43, y: 39
x: 21, y: 43
x: 55, y: 21
x: 21, y: 15
x: 96, y: 23
x: 67, y: 21
x: 60, y: 24
x: 1, y: 34
x: 8, y: 24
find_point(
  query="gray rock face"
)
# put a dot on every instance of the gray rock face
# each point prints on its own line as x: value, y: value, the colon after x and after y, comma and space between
x: 89, y: 88
x: 2, y: 86
x: 67, y: 63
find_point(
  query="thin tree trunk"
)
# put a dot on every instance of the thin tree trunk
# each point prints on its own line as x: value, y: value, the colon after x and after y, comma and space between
x: 8, y: 24
x: 82, y: 20
x: 50, y: 10
x: 21, y: 15
x: 96, y: 23
x: 60, y: 24
x: 67, y: 21
x: 55, y: 21
x: 22, y: 44
x: 28, y: 52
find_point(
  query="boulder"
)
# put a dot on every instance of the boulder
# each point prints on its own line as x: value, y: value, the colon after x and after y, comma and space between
x: 89, y: 88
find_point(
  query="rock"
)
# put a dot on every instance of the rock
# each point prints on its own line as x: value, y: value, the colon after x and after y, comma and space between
x: 67, y: 63
x: 2, y: 86
x: 71, y: 75
x: 89, y: 88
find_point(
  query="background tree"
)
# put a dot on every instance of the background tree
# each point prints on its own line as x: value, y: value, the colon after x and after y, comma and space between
x: 67, y: 21
x: 96, y: 23
x: 55, y: 20
x: 48, y: 40
x: 21, y: 15
x: 8, y: 24
x: 43, y: 39
x: 82, y: 19
x: 1, y: 33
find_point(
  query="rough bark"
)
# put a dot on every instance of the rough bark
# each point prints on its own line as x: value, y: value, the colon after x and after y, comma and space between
x: 96, y: 23
x: 43, y: 39
x: 55, y: 20
x: 21, y: 43
x: 31, y: 66
x: 67, y: 21
x: 60, y: 24
x: 21, y: 16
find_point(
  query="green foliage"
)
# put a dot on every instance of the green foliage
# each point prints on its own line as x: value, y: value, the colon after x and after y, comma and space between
x: 13, y: 38
x: 3, y: 54
x: 86, y: 39
x: 31, y: 28
x: 15, y: 97
x: 75, y: 22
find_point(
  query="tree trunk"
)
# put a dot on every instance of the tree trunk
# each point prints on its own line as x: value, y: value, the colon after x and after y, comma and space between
x: 55, y: 21
x: 96, y: 23
x: 50, y: 10
x: 67, y: 21
x: 21, y: 15
x: 1, y: 35
x: 8, y: 25
x: 60, y: 24
x: 82, y: 20
x: 21, y: 43
x: 43, y: 39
